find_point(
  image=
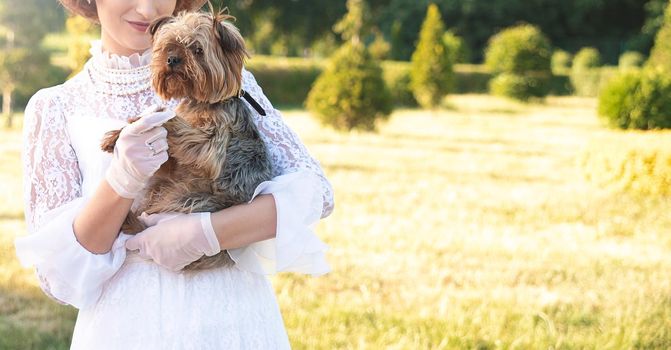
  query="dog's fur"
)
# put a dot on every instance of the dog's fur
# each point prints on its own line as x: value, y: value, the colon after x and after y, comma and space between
x: 217, y: 157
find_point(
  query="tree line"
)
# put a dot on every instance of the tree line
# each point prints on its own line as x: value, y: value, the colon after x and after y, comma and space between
x: 611, y: 26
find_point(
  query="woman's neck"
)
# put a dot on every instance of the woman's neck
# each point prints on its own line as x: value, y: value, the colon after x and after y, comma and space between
x: 111, y: 46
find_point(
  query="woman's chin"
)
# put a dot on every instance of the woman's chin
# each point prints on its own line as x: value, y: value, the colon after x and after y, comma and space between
x: 139, y: 44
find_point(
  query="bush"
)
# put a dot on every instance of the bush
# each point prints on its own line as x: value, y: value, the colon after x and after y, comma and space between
x: 631, y: 59
x: 431, y: 74
x: 587, y: 78
x: 660, y: 55
x: 561, y: 62
x: 379, y: 48
x: 521, y: 57
x: 519, y: 87
x: 518, y: 50
x: 590, y: 82
x: 351, y: 93
x: 637, y: 100
x: 397, y: 78
x: 458, y: 50
x: 287, y: 81
x: 633, y: 161
x: 586, y: 58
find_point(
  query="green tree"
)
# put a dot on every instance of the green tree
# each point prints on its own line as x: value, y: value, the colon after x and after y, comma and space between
x: 431, y: 74
x: 80, y: 31
x: 569, y: 24
x: 660, y: 57
x: 30, y: 20
x: 351, y: 93
x: 24, y: 65
x: 353, y: 26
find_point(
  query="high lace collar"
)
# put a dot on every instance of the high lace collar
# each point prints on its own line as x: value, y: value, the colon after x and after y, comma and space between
x: 117, y: 75
x: 117, y: 62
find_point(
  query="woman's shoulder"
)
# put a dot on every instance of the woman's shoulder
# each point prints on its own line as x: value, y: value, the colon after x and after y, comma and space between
x: 55, y: 96
x: 45, y: 98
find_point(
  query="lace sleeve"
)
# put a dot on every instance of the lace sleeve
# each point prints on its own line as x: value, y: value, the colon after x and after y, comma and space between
x: 285, y: 148
x: 52, y: 176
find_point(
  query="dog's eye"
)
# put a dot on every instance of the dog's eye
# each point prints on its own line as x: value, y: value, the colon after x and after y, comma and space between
x: 198, y: 51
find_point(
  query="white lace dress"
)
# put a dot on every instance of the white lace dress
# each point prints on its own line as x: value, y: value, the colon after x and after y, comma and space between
x: 124, y: 301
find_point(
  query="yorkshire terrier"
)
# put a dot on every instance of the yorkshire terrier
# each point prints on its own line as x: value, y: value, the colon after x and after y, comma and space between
x: 216, y: 155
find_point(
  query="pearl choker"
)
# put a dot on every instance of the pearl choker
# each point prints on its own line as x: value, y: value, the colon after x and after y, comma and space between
x: 118, y: 82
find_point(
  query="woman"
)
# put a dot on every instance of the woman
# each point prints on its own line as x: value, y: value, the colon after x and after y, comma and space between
x: 129, y: 291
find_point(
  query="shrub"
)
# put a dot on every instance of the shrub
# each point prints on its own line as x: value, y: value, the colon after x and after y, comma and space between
x: 561, y: 62
x: 586, y: 58
x: 633, y: 161
x: 397, y: 77
x: 637, y: 100
x: 631, y: 59
x: 379, y: 48
x: 617, y: 100
x: 586, y: 76
x: 287, y: 81
x: 660, y: 55
x: 521, y: 57
x: 590, y: 82
x: 456, y: 47
x: 351, y: 93
x: 519, y: 87
x: 518, y: 50
x: 431, y: 74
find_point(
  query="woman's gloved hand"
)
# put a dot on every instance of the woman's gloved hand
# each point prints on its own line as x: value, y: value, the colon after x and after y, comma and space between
x: 139, y: 152
x: 174, y: 240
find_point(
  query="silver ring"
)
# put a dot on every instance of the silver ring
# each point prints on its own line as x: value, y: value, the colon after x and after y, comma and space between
x: 151, y: 148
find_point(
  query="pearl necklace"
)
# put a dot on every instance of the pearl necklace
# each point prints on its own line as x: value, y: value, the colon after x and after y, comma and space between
x: 118, y: 82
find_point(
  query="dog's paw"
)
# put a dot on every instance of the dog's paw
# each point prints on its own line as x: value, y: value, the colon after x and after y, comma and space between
x: 109, y: 140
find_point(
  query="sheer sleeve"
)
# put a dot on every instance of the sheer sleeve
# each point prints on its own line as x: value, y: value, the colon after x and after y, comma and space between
x: 287, y: 151
x: 52, y: 176
x: 302, y: 196
x: 52, y: 195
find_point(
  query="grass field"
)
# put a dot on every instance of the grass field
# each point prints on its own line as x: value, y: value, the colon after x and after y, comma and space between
x: 465, y: 228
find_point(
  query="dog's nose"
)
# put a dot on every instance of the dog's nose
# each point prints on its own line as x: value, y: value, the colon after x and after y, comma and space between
x: 173, y: 61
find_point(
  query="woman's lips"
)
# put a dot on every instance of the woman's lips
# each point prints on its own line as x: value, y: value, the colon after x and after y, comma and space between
x: 139, y: 26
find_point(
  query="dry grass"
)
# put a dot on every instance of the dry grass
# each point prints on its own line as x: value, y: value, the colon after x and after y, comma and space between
x: 458, y: 229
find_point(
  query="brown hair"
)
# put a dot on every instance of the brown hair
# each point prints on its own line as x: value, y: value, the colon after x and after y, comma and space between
x: 90, y: 12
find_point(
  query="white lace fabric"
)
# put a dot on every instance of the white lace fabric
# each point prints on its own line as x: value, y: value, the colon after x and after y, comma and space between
x: 63, y: 165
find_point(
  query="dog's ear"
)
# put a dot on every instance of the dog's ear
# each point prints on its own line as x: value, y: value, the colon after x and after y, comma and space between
x: 228, y: 35
x: 157, y: 23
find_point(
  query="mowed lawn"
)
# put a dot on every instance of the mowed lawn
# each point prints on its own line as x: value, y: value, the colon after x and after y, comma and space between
x: 465, y: 228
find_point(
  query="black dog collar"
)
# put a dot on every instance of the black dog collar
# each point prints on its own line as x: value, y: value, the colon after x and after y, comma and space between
x: 244, y: 94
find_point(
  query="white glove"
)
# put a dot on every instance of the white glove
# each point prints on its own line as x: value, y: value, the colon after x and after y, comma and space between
x: 139, y: 151
x: 174, y: 240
